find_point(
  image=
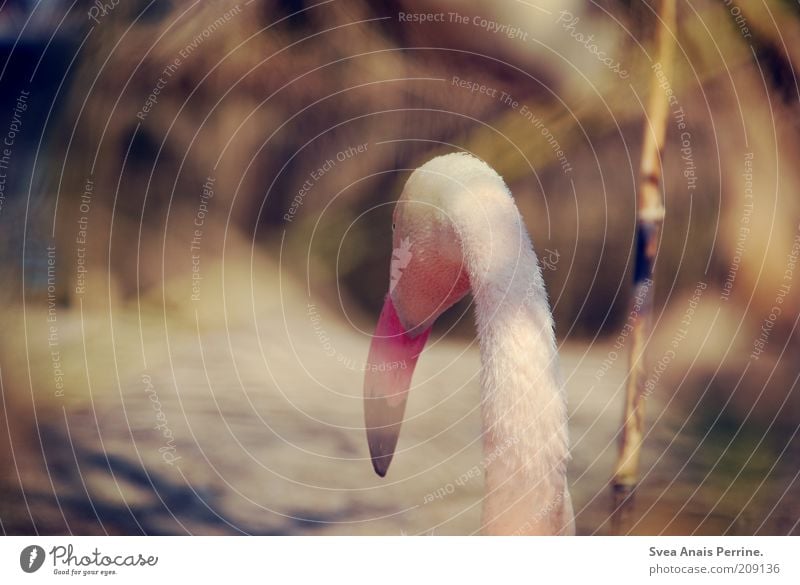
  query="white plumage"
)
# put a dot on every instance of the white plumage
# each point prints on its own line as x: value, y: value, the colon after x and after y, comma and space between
x: 464, y: 232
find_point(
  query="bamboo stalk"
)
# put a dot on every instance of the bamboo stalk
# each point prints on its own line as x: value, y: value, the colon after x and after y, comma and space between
x: 650, y: 216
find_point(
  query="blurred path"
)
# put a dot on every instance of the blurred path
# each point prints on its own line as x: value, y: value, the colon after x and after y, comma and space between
x: 214, y: 437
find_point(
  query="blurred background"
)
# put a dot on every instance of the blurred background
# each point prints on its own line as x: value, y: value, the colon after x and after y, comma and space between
x: 195, y: 228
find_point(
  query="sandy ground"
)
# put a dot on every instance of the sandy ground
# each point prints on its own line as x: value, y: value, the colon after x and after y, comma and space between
x: 189, y: 424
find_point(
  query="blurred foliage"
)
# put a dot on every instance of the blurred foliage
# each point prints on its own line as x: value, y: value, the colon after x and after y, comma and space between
x: 260, y: 96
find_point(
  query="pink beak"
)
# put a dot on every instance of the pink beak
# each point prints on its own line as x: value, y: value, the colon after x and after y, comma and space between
x: 390, y: 365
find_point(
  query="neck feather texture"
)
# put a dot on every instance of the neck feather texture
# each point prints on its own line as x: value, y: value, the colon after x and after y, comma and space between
x: 523, y: 402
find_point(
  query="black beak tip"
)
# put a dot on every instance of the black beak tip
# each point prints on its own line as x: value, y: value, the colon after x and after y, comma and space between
x: 380, y: 463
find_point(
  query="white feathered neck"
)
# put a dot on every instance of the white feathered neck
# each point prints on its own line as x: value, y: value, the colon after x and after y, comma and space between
x: 523, y: 402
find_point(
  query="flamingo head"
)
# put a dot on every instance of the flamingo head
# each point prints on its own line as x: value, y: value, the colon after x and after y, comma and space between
x: 428, y: 274
x: 427, y: 271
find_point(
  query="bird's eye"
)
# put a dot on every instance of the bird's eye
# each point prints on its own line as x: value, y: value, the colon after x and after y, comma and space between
x: 393, y: 225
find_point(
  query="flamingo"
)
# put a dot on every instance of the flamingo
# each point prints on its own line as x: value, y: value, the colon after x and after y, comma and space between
x: 457, y: 229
